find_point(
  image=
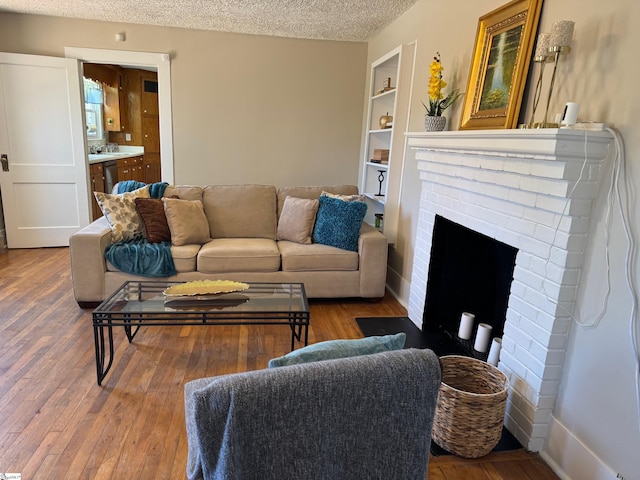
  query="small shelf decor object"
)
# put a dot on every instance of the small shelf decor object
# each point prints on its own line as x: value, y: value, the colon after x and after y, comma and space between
x: 380, y: 155
x: 499, y: 65
x: 438, y: 103
x: 471, y: 406
x: 380, y: 181
x: 386, y: 121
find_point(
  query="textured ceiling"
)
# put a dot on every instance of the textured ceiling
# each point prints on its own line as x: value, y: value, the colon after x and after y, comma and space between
x: 350, y: 20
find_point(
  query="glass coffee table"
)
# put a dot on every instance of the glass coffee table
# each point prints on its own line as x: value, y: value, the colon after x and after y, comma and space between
x: 142, y: 303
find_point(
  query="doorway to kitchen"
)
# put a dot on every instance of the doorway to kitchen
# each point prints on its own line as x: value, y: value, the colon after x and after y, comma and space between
x: 158, y: 65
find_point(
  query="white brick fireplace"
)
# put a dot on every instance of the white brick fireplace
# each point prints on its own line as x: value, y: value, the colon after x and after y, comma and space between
x: 531, y: 189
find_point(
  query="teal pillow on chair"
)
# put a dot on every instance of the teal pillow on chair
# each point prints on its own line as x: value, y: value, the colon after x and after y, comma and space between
x: 338, y: 223
x: 333, y: 349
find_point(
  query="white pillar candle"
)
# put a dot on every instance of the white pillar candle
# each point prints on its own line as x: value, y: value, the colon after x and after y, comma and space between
x: 483, y: 337
x: 494, y: 352
x: 466, y: 325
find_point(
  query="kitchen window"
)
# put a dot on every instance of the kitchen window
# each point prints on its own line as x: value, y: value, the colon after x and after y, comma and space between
x: 93, y: 100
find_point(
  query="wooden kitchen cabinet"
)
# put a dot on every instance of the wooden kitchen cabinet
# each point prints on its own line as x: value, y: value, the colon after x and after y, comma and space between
x: 97, y: 179
x: 115, y: 101
x: 149, y: 96
x: 151, y: 167
x: 151, y: 133
x: 131, y: 169
x: 111, y: 108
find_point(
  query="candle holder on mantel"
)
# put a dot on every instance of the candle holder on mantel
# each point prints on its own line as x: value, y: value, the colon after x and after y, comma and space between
x: 380, y: 180
x: 540, y: 56
x: 559, y: 42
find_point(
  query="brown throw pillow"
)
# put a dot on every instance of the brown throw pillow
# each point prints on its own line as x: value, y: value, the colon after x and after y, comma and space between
x: 153, y: 219
x: 297, y: 219
x: 187, y: 221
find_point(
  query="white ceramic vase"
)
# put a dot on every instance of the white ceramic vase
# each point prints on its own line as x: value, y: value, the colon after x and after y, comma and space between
x: 434, y: 124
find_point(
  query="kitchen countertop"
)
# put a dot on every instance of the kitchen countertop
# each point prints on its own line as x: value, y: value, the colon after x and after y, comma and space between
x: 125, y: 152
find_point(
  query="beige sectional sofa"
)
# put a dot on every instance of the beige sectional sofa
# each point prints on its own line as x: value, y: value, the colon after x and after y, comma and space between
x: 243, y: 225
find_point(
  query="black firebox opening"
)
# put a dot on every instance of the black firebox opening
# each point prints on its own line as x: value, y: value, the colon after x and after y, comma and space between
x: 468, y: 272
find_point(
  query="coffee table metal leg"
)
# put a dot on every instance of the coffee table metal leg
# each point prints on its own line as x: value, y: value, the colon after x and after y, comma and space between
x: 99, y: 341
x: 297, y: 327
x: 129, y: 330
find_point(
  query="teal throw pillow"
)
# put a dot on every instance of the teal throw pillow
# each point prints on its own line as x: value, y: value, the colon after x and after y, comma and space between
x: 338, y: 223
x: 333, y: 349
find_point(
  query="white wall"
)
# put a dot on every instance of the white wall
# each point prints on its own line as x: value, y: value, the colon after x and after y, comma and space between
x: 246, y: 108
x: 596, y: 430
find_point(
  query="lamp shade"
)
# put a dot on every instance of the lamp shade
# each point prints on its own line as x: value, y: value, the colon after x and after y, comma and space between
x: 561, y: 34
x: 542, y: 45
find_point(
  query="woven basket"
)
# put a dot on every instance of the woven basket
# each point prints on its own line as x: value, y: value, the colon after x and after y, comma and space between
x: 471, y: 406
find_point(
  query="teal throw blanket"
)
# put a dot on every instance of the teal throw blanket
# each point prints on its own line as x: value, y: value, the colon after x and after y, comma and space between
x: 156, y: 190
x: 139, y: 257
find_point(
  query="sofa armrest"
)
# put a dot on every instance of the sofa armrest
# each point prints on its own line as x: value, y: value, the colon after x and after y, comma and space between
x: 373, y: 251
x: 88, y: 264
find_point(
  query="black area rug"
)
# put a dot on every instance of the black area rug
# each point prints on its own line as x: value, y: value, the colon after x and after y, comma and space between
x: 416, y: 338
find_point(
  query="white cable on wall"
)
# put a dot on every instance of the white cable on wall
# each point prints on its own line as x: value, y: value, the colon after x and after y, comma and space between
x: 621, y: 196
x: 630, y: 259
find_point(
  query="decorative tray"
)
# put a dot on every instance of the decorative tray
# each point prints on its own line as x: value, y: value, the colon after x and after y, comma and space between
x: 206, y: 302
x: 208, y: 288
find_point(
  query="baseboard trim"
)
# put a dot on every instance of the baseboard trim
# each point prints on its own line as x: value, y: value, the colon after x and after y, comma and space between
x: 398, y: 287
x: 571, y: 459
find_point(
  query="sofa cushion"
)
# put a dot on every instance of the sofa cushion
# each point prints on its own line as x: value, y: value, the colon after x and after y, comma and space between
x: 120, y: 211
x: 297, y: 219
x: 241, y: 211
x: 316, y: 257
x: 333, y: 349
x: 187, y: 221
x: 338, y: 223
x: 153, y: 219
x: 185, y: 257
x: 312, y: 192
x: 224, y: 255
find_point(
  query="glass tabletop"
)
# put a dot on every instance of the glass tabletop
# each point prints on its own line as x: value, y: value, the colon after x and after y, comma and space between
x: 146, y: 297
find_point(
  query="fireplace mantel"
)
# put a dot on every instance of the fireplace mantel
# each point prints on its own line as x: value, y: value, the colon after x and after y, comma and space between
x: 531, y: 189
x: 545, y: 143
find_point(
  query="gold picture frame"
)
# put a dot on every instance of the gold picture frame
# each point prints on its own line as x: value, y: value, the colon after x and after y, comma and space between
x: 498, y: 73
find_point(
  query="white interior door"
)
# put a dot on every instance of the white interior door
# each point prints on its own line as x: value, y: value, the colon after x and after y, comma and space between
x: 43, y: 178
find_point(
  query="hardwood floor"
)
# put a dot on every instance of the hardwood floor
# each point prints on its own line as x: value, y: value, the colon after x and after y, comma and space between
x: 56, y: 422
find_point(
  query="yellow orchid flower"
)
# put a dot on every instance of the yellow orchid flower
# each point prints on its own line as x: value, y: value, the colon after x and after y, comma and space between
x: 438, y: 103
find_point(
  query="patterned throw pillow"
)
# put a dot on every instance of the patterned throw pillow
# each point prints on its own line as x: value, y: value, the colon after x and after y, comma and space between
x: 338, y: 223
x: 356, y: 197
x: 120, y: 211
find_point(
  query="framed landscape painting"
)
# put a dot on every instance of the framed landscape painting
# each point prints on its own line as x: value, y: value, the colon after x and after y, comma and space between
x: 498, y: 73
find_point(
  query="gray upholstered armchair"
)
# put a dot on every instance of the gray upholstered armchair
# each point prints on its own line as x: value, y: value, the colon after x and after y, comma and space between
x: 365, y: 417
